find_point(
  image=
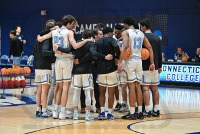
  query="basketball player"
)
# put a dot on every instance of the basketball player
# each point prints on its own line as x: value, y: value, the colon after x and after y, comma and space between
x: 151, y: 78
x: 134, y: 39
x: 106, y: 52
x: 64, y: 63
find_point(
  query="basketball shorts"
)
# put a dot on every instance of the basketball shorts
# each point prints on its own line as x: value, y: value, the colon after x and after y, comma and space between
x: 84, y: 81
x: 133, y: 69
x: 63, y: 68
x: 122, y: 76
x: 150, y: 78
x: 16, y: 61
x: 108, y: 80
x: 42, y: 76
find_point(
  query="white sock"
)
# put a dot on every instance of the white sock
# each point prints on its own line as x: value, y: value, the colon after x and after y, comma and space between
x: 76, y: 111
x: 110, y: 110
x: 136, y: 104
x: 44, y: 110
x: 139, y: 109
x: 156, y: 108
x: 132, y: 110
x: 87, y: 111
x: 56, y: 107
x: 102, y: 109
x: 63, y: 110
x: 148, y: 108
x: 39, y: 109
x: 117, y: 101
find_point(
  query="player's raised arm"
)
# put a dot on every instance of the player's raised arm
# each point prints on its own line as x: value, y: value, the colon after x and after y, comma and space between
x: 73, y: 42
x: 44, y: 37
x: 148, y: 46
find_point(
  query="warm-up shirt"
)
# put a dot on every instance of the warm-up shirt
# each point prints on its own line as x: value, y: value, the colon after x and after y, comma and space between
x: 105, y: 46
x: 15, y: 48
x: 156, y: 46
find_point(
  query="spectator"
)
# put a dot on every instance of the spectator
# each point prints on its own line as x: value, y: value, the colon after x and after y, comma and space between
x: 180, y: 54
x: 197, y: 58
x: 20, y: 36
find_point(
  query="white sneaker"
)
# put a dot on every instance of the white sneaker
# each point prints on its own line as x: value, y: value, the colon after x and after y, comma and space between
x: 55, y: 114
x: 75, y: 117
x: 124, y: 108
x: 22, y: 78
x: 50, y: 108
x: 46, y: 114
x: 88, y: 117
x: 68, y: 112
x: 62, y: 116
x: 92, y: 108
x: 13, y: 78
x: 18, y: 78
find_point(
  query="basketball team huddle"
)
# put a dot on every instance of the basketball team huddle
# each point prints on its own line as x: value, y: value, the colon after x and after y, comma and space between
x: 111, y: 61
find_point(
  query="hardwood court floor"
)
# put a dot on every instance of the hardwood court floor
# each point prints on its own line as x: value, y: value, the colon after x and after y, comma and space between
x: 180, y: 109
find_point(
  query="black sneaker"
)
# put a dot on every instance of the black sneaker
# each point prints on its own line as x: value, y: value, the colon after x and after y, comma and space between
x: 117, y: 107
x: 136, y: 109
x: 38, y: 114
x: 130, y: 116
x: 140, y: 115
x: 147, y: 114
x: 156, y: 114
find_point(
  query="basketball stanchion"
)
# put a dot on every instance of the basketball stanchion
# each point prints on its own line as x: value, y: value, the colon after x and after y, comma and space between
x: 14, y: 84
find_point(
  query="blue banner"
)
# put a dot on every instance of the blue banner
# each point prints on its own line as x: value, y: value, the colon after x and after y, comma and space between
x: 180, y: 73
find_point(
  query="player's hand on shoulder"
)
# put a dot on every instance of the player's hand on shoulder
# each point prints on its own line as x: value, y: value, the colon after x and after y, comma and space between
x: 58, y: 52
x: 54, y: 28
x: 109, y: 57
x: 90, y: 40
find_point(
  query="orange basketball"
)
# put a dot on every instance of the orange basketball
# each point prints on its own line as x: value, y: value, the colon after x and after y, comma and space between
x: 27, y: 70
x: 16, y: 71
x: 16, y: 84
x: 22, y: 83
x: 3, y: 71
x: 185, y: 59
x: 145, y: 54
x: 22, y: 71
x: 127, y: 54
x: 10, y: 83
x: 9, y: 72
x: 5, y: 84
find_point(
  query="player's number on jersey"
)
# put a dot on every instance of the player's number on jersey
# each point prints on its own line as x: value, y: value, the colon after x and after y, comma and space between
x: 59, y: 41
x: 137, y: 43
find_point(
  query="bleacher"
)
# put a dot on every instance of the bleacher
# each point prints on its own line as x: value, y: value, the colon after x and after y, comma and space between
x: 26, y: 61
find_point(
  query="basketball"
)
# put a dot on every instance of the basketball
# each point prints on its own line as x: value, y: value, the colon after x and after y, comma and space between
x: 27, y: 70
x: 9, y: 71
x: 185, y: 59
x: 22, y: 83
x: 10, y: 83
x: 145, y: 54
x: 127, y: 54
x: 16, y: 84
x: 22, y: 71
x: 5, y: 84
x: 16, y: 71
x: 4, y: 71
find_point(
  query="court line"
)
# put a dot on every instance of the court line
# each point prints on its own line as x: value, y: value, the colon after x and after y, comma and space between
x: 53, y: 127
x: 129, y: 126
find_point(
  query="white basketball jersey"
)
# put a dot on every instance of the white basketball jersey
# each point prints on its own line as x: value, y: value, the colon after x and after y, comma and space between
x: 136, y: 38
x: 60, y: 38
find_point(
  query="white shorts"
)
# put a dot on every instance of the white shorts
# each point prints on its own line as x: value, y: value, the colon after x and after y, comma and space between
x: 42, y: 76
x: 110, y: 79
x: 150, y: 78
x: 133, y: 69
x: 84, y: 81
x: 123, y: 77
x: 63, y: 68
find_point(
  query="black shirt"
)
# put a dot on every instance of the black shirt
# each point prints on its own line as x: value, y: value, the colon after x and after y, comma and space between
x: 156, y: 46
x: 105, y: 46
x: 84, y: 57
x: 15, y: 48
x: 20, y: 38
x: 197, y: 58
